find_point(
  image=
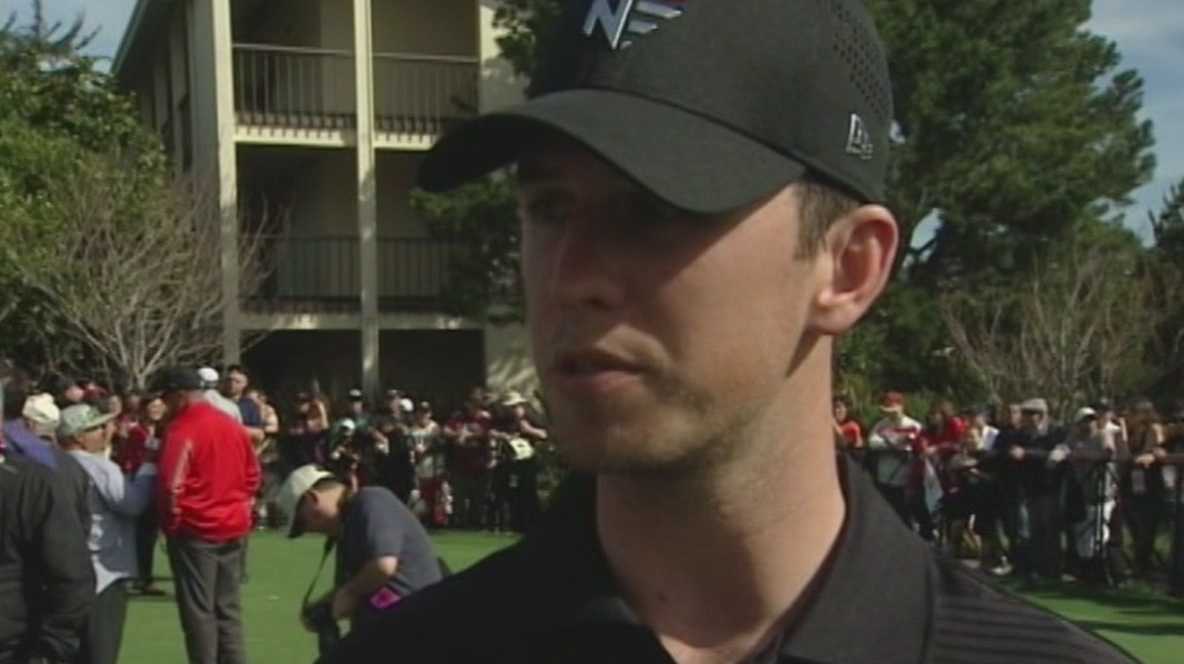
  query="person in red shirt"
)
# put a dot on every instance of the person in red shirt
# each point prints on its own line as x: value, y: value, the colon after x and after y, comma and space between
x: 143, y: 430
x: 208, y: 478
x: 467, y: 437
x: 848, y: 432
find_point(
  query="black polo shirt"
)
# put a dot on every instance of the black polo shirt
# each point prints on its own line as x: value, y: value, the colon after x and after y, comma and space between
x: 886, y: 597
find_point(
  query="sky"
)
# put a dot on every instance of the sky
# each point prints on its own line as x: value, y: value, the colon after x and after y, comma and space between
x: 1149, y: 33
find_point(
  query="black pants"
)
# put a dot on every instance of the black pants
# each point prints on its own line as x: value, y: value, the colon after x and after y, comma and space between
x: 897, y: 497
x: 103, y: 633
x: 147, y: 532
x: 206, y: 575
x: 1046, y: 525
x: 1146, y: 513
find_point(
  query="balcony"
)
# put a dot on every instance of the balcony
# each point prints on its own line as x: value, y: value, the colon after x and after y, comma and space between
x: 320, y: 275
x: 286, y: 94
x: 416, y: 97
x: 283, y: 92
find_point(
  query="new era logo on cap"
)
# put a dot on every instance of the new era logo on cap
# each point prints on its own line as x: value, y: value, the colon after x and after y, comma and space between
x: 636, y: 17
x: 859, y: 142
x: 727, y: 101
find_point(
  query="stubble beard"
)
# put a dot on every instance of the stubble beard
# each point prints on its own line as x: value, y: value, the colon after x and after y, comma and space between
x: 679, y: 431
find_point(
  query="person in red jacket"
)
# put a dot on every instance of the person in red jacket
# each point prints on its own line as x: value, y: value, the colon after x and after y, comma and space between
x: 208, y: 479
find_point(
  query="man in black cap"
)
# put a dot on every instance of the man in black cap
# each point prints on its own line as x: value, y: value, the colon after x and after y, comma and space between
x: 208, y: 477
x: 699, y: 186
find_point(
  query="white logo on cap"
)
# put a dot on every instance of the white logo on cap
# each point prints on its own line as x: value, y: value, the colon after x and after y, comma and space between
x: 859, y: 141
x: 621, y: 20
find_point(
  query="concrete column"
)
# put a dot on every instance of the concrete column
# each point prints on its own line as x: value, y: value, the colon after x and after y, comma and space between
x: 367, y: 195
x: 212, y: 84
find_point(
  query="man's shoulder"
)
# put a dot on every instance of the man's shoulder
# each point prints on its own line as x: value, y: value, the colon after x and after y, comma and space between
x: 376, y: 498
x: 495, y: 604
x: 974, y: 617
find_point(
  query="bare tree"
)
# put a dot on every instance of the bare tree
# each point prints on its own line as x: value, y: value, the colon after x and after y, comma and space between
x: 1077, y: 329
x: 137, y: 284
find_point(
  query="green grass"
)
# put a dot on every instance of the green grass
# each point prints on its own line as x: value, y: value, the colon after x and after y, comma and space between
x: 280, y: 571
x: 1148, y: 625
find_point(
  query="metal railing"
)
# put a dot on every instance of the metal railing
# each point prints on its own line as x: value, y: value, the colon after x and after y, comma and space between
x: 320, y: 274
x: 413, y: 272
x: 422, y: 94
x: 294, y: 86
x: 307, y: 275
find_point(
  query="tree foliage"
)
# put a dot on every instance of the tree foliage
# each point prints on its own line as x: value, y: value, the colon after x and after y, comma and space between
x: 130, y: 280
x: 104, y: 258
x: 1015, y: 123
x: 1076, y: 329
x: 480, y: 217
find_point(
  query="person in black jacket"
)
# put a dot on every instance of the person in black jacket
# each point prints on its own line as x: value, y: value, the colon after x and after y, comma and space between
x: 1032, y: 484
x: 46, y: 580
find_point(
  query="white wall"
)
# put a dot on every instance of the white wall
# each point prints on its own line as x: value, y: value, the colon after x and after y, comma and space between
x: 507, y: 359
x: 439, y: 27
x: 395, y: 179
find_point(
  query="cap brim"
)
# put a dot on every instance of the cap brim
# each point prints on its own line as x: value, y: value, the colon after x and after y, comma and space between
x: 687, y: 160
x: 296, y: 529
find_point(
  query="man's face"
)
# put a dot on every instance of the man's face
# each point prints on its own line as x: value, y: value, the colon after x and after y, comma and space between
x: 156, y: 410
x: 173, y: 402
x: 657, y: 334
x: 319, y: 512
x: 236, y: 384
x: 1030, y: 420
x: 93, y: 440
x: 74, y: 394
x: 356, y: 407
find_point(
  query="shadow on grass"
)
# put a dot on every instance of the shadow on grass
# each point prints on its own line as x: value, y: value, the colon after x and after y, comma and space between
x: 1126, y: 600
x: 1154, y: 629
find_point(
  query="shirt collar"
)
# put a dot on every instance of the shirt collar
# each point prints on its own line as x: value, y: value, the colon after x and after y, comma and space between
x: 872, y: 603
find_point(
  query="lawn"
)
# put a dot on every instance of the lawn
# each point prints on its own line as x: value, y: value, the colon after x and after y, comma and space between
x: 1148, y: 625
x: 280, y: 571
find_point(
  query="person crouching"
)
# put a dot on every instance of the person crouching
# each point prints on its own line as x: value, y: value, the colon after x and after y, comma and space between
x: 383, y: 553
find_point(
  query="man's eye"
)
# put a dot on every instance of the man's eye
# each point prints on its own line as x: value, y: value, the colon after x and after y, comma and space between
x: 545, y: 212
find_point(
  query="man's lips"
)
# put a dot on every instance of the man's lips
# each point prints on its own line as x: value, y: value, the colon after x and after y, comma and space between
x: 591, y: 362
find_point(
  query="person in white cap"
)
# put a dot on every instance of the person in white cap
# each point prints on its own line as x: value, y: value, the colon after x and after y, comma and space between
x: 383, y: 552
x: 515, y: 478
x: 116, y: 503
x: 42, y: 416
x: 1096, y: 490
x: 1032, y: 483
x: 209, y: 383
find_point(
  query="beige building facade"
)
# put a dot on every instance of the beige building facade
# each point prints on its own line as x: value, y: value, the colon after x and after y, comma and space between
x: 309, y: 118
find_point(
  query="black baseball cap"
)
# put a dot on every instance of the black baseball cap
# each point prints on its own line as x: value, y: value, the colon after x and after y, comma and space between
x: 176, y: 379
x: 710, y: 105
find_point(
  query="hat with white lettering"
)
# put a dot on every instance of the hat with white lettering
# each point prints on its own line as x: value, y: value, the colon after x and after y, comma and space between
x: 709, y: 105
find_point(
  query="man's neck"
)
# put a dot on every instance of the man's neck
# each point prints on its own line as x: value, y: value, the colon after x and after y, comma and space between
x: 716, y: 564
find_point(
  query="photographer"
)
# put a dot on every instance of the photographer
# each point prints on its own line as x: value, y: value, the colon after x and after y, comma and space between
x: 383, y: 553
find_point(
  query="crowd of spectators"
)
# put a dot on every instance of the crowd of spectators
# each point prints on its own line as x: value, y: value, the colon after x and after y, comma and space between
x: 476, y: 468
x: 1028, y: 495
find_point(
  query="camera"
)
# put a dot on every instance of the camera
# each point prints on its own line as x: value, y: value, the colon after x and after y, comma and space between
x: 320, y: 616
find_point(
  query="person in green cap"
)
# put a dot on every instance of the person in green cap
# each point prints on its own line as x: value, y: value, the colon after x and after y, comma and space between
x: 115, y: 504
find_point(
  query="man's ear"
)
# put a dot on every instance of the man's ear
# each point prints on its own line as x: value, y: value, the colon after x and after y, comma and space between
x: 853, y: 266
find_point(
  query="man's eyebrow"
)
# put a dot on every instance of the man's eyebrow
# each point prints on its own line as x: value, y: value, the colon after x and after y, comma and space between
x: 530, y: 171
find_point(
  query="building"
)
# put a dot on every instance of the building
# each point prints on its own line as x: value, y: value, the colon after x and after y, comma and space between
x: 321, y: 109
